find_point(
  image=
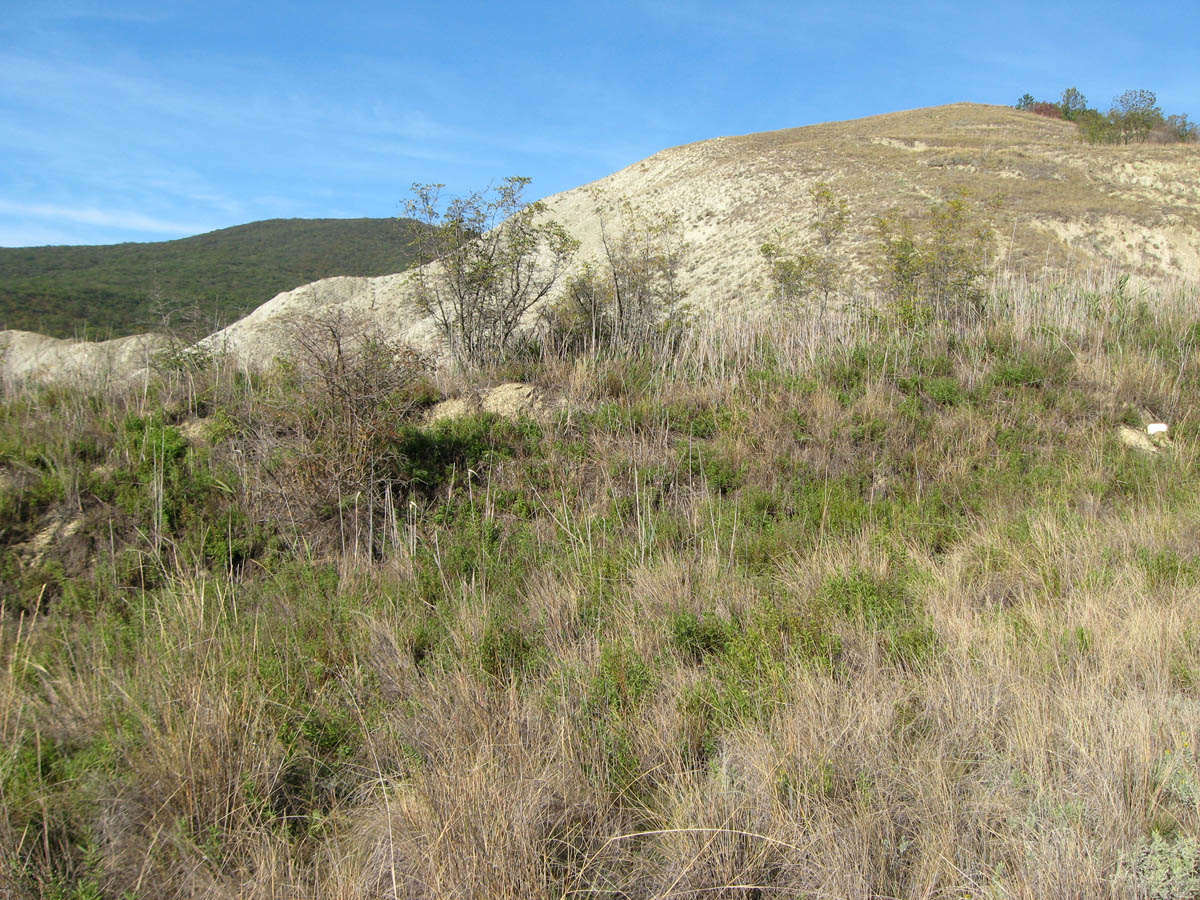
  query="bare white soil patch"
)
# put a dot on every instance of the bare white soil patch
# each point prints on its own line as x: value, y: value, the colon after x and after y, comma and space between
x: 26, y: 355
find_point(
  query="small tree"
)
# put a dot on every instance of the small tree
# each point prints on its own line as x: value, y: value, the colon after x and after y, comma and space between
x: 633, y: 294
x: 1135, y: 114
x: 1179, y: 128
x: 795, y: 274
x: 644, y: 260
x: 1072, y: 104
x: 812, y: 268
x: 938, y: 271
x: 959, y: 253
x: 489, y: 258
x: 583, y: 320
x: 901, y: 269
x: 1096, y: 128
x: 831, y: 215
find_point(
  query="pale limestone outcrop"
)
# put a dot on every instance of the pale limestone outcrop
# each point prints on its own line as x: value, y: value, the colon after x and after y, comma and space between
x: 512, y: 400
x: 1067, y: 207
x: 26, y: 355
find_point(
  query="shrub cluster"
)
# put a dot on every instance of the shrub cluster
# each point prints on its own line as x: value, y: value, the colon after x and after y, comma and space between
x: 633, y: 295
x: 935, y: 267
x: 811, y: 269
x: 488, y: 258
x: 1134, y: 117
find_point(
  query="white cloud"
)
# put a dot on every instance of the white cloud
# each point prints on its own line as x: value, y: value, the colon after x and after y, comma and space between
x: 105, y: 218
x: 150, y: 142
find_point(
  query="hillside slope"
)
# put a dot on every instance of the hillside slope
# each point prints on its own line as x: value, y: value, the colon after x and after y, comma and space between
x: 775, y: 606
x: 196, y: 283
x: 1064, y: 207
x: 870, y: 613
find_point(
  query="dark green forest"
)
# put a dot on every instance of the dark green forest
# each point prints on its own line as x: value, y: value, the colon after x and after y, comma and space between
x: 189, y: 286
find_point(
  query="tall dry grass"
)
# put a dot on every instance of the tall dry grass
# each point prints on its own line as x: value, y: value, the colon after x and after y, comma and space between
x: 660, y: 674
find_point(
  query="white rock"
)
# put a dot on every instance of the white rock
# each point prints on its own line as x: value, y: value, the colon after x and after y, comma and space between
x: 26, y: 355
x: 1135, y: 440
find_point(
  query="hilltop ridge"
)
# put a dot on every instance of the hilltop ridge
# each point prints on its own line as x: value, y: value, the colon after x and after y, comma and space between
x: 1063, y: 208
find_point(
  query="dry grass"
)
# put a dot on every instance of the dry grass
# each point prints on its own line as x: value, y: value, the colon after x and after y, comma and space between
x: 780, y: 616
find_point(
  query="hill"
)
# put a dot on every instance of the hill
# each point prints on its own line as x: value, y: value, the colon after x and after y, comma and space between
x: 827, y: 602
x: 1064, y: 208
x: 195, y: 283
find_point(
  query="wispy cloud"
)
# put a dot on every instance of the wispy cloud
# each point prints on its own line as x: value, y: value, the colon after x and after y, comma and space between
x: 132, y: 122
x: 79, y: 9
x: 105, y: 218
x: 26, y: 234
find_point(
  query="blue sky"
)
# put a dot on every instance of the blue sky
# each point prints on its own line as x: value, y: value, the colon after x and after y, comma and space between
x: 155, y: 120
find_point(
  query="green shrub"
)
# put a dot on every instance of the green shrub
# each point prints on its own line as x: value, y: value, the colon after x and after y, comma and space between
x: 808, y: 267
x: 849, y: 374
x: 706, y: 710
x: 697, y: 637
x: 622, y: 681
x: 884, y: 604
x: 942, y: 390
x: 182, y: 358
x: 232, y: 539
x: 506, y: 652
x: 151, y: 444
x: 703, y: 462
x: 1168, y: 867
x: 699, y: 422
x: 759, y: 654
x: 459, y: 448
x: 835, y: 507
x: 1019, y: 373
x: 879, y: 602
x: 938, y: 269
x: 1165, y: 569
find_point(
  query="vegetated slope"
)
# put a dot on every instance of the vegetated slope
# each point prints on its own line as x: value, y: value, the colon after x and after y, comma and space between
x: 1062, y: 204
x: 819, y: 611
x: 845, y: 605
x: 195, y: 283
x: 1064, y: 207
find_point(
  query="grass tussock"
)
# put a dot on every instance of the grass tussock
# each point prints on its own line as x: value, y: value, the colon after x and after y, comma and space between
x: 832, y: 610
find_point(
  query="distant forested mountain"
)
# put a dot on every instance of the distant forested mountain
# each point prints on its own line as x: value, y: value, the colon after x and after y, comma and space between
x: 191, y: 285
